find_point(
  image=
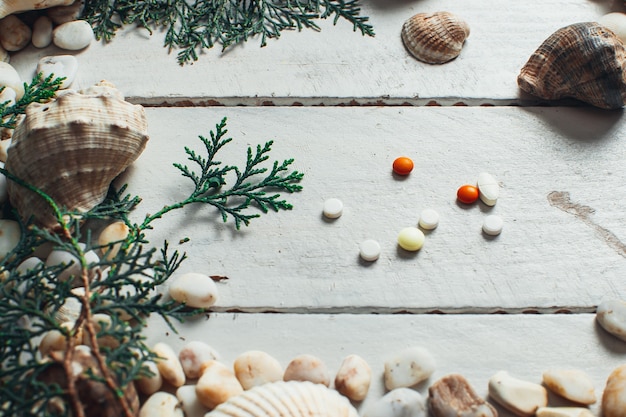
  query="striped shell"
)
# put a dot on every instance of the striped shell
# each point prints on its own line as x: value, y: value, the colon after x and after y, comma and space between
x: 72, y: 148
x: 584, y: 61
x: 286, y: 399
x: 435, y: 38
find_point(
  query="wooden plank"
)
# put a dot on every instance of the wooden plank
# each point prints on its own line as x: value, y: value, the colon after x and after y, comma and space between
x: 561, y: 172
x: 337, y: 66
x: 476, y: 346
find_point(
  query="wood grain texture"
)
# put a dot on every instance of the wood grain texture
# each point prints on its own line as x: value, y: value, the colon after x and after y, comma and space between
x: 561, y: 172
x: 337, y: 66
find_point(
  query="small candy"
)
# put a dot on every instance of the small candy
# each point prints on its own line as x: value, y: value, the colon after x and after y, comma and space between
x: 467, y: 194
x: 403, y: 165
x: 429, y: 219
x: 492, y: 225
x: 333, y: 208
x: 488, y: 188
x: 411, y: 239
x: 369, y: 250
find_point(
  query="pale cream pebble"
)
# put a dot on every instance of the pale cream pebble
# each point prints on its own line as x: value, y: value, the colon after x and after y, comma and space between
x: 9, y: 77
x: 189, y: 401
x: 400, y: 402
x: 150, y: 384
x: 563, y: 412
x: 307, y: 368
x: 408, y: 368
x: 161, y: 404
x: 42, y: 32
x: 73, y: 36
x: 4, y: 146
x: 521, y: 397
x: 353, y: 378
x: 217, y: 384
x: 115, y: 232
x: 169, y: 366
x: 614, y: 396
x: 72, y: 263
x: 453, y: 395
x: 102, y: 322
x: 254, y: 368
x: 7, y: 96
x: 10, y: 235
x: 611, y: 315
x: 56, y: 340
x: 30, y: 264
x: 15, y: 35
x: 66, y: 13
x: 194, y: 355
x: 59, y: 66
x: 573, y: 384
x: 194, y: 290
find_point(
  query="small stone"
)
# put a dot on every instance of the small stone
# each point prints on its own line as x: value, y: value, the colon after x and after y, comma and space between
x: 614, y: 396
x: 56, y: 340
x: 615, y: 21
x: 72, y: 263
x: 4, y: 144
x: 563, y: 412
x: 42, y: 32
x: 611, y: 315
x: 168, y: 364
x: 61, y: 66
x: 488, y: 189
x: 194, y: 355
x: 150, y: 384
x: 189, y: 401
x: 115, y: 232
x: 217, y: 384
x: 254, y: 368
x: 194, y: 290
x: 307, y: 368
x: 73, y: 36
x: 10, y: 235
x: 161, y: 404
x: 353, y: 378
x: 31, y: 263
x: 453, y: 395
x: 522, y: 398
x: 573, y: 384
x: 408, y: 368
x: 400, y: 402
x: 9, y: 77
x: 8, y: 96
x: 15, y: 35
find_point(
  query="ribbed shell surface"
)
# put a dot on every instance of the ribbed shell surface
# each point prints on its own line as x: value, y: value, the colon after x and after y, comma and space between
x: 435, y: 38
x: 584, y: 61
x: 72, y: 148
x: 286, y: 399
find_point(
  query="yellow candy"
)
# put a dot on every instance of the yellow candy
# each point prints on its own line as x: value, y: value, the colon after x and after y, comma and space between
x: 411, y: 239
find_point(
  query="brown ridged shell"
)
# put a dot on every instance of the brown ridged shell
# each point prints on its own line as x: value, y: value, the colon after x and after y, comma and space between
x: 435, y: 38
x: 584, y: 61
x: 72, y: 148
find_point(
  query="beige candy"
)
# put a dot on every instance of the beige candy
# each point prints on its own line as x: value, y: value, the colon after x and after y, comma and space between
x: 15, y: 35
x: 255, y: 368
x: 408, y: 368
x: 150, y: 384
x: 307, y: 368
x: 614, y: 396
x: 453, y: 395
x: 353, y: 378
x: 161, y: 404
x: 217, y: 384
x: 194, y: 355
x: 520, y: 397
x: 563, y: 412
x: 573, y: 384
x: 169, y: 366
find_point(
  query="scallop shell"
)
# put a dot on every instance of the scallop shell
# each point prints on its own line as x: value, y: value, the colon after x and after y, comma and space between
x: 71, y: 149
x: 583, y: 61
x: 286, y: 399
x: 435, y: 38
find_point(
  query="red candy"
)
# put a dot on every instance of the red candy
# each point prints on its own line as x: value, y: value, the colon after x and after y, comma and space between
x: 403, y: 165
x: 467, y: 194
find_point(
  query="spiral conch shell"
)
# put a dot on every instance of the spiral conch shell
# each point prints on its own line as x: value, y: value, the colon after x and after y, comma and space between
x: 286, y: 399
x: 72, y: 148
x: 435, y: 38
x: 584, y: 61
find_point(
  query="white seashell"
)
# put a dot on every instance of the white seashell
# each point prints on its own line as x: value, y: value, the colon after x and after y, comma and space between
x: 520, y: 397
x: 254, y: 368
x: 194, y: 355
x: 161, y: 404
x: 611, y: 315
x: 489, y: 189
x: 10, y: 235
x: 353, y: 378
x: 15, y: 35
x: 64, y: 14
x: 169, y: 366
x: 42, y: 32
x: 573, y: 384
x: 307, y: 368
x: 72, y: 148
x: 616, y: 22
x: 217, y: 384
x: 188, y: 401
x: 115, y: 232
x: 9, y: 77
x: 194, y: 290
x: 453, y: 395
x: 286, y: 399
x: 71, y: 308
x: 408, y: 368
x: 150, y: 384
x: 563, y: 412
x: 73, y: 36
x: 8, y: 7
x: 400, y: 402
x: 65, y: 66
x: 614, y: 396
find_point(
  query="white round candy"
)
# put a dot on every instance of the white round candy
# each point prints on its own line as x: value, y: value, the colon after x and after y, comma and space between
x: 429, y: 219
x: 493, y: 225
x: 333, y: 208
x: 369, y: 250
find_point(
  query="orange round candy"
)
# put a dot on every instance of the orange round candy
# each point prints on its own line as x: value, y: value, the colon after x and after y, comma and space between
x: 403, y: 165
x: 467, y: 194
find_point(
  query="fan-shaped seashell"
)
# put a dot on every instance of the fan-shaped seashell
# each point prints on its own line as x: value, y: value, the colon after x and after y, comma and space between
x: 435, y: 38
x: 71, y: 149
x: 286, y: 399
x: 584, y: 61
x: 8, y: 7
